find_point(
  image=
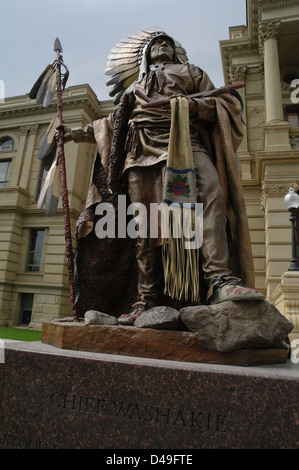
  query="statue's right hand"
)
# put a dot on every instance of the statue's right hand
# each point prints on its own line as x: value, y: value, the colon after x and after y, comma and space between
x: 67, y: 136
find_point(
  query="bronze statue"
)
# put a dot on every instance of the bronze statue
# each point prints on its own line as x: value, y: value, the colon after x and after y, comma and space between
x: 132, y: 150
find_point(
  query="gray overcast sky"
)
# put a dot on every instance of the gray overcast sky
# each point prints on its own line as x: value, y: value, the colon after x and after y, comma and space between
x: 88, y: 29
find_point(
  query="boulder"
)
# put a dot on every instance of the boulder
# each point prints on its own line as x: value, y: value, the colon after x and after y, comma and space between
x: 66, y: 320
x: 92, y: 317
x: 237, y: 325
x: 159, y: 318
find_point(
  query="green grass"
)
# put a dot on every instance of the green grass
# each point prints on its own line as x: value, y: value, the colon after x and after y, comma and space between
x: 20, y: 334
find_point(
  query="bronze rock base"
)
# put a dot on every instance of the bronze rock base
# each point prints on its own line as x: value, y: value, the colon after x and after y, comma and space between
x: 148, y: 343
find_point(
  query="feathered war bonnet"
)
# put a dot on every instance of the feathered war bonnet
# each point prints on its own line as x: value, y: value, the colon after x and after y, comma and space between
x: 128, y: 59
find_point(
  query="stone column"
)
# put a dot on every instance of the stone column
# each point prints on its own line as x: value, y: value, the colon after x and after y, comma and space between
x: 24, y: 177
x: 269, y: 47
x: 17, y: 168
x: 276, y: 129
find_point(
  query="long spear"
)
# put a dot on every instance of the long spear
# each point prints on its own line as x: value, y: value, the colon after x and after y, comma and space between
x: 43, y: 92
x: 63, y: 182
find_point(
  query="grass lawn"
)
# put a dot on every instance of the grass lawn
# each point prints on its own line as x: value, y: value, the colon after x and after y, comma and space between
x: 20, y: 334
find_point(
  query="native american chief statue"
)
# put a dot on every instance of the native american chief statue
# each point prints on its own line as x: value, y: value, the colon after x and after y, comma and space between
x: 172, y: 137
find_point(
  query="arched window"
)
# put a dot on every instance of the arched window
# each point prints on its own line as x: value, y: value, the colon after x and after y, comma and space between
x: 7, y: 143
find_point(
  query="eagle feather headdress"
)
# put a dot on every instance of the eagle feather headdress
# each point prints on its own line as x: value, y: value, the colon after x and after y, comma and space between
x: 125, y: 61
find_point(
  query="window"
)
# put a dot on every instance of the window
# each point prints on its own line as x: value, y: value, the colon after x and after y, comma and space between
x: 26, y: 309
x: 7, y: 143
x: 289, y: 77
x: 4, y: 172
x: 35, y: 251
x: 293, y: 118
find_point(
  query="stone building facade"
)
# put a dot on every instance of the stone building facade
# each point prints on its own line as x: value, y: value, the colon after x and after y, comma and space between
x: 33, y: 273
x: 263, y: 54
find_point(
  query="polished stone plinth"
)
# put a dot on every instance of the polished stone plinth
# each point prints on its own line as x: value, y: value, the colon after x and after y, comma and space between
x: 154, y: 344
x: 57, y: 398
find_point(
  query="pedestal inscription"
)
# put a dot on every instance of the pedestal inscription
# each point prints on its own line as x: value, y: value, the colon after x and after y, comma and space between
x: 54, y: 398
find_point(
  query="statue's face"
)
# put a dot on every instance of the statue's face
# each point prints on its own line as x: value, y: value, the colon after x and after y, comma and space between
x: 161, y: 51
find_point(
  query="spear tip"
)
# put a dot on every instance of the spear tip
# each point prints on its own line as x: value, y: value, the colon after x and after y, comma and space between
x: 57, y: 45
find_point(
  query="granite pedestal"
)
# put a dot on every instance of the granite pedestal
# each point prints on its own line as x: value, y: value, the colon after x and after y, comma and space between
x: 57, y: 398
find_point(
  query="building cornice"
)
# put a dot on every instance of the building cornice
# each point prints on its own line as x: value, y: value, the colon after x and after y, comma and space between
x: 249, y: 47
x: 81, y: 96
